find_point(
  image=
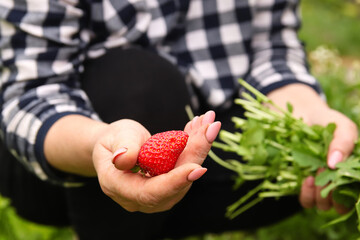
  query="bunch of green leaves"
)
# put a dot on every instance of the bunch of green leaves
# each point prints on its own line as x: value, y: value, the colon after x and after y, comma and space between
x: 279, y: 151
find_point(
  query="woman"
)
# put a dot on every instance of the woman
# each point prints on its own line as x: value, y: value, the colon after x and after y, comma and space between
x: 76, y: 93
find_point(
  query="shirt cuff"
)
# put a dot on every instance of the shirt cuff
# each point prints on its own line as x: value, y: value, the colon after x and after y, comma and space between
x: 268, y: 88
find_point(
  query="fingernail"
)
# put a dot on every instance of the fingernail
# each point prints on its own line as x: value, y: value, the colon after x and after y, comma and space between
x: 212, y: 131
x: 196, y: 174
x: 118, y: 153
x: 334, y: 158
x: 209, y: 117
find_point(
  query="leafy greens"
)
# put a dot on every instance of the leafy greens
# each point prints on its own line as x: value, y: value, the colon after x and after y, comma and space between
x: 280, y: 151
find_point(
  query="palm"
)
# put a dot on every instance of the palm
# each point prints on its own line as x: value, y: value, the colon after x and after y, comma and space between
x: 135, y: 192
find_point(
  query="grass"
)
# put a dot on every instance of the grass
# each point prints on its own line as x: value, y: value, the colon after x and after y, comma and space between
x: 334, y: 23
x: 331, y: 24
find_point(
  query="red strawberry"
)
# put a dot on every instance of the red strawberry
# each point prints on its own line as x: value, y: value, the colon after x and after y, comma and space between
x: 160, y: 152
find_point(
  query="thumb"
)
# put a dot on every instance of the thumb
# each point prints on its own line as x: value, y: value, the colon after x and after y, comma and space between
x: 126, y: 146
x: 342, y: 144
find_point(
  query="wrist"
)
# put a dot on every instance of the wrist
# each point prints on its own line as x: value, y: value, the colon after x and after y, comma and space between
x: 304, y: 99
x: 69, y: 144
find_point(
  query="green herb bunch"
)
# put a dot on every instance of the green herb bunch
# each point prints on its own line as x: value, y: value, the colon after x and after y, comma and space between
x: 280, y: 151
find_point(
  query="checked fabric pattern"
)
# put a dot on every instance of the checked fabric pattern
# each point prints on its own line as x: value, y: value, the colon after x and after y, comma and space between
x: 43, y: 44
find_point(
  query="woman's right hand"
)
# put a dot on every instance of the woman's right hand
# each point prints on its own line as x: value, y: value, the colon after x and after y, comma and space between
x: 116, y: 151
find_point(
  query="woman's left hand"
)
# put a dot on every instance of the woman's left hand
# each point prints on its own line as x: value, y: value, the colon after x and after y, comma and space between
x: 308, y: 105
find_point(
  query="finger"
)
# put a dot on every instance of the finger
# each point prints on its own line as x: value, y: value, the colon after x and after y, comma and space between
x: 189, y: 124
x: 202, y: 133
x: 321, y: 202
x: 177, y: 179
x: 196, y: 174
x: 125, y: 158
x: 342, y: 144
x: 339, y: 208
x: 208, y: 118
x: 162, y: 192
x: 126, y: 146
x: 212, y: 131
x: 194, y: 121
x: 307, y: 193
x: 199, y: 121
x: 213, y: 128
x: 205, y: 120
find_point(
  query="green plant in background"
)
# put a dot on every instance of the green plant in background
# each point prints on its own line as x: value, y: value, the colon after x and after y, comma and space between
x: 334, y: 23
x: 13, y: 227
x: 339, y: 79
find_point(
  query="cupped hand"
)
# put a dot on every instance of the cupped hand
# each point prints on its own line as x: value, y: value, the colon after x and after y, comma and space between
x: 116, y: 153
x: 308, y: 105
x: 340, y: 148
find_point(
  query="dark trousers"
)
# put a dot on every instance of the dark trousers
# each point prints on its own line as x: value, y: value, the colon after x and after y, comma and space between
x: 142, y: 86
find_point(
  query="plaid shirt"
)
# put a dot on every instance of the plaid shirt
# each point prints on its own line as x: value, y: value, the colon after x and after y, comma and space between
x: 43, y: 44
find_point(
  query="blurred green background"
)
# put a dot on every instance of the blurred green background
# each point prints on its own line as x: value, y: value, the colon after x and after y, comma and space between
x: 331, y: 32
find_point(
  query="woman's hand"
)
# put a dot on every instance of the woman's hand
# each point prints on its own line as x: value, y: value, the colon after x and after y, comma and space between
x: 308, y: 105
x: 116, y: 153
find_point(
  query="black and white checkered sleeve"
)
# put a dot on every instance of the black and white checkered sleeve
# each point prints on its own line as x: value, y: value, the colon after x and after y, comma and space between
x: 222, y: 41
x: 278, y: 55
x: 213, y: 50
x: 39, y: 84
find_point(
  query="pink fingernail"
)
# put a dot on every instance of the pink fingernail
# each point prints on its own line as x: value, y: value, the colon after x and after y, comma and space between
x: 212, y: 131
x: 196, y: 174
x: 118, y: 153
x: 209, y: 117
x: 335, y: 158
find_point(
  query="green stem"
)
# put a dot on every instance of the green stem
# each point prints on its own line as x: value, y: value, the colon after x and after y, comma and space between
x: 232, y: 215
x: 261, y: 97
x: 222, y: 146
x: 220, y: 161
x: 231, y: 136
x: 243, y: 199
x: 276, y: 194
x: 189, y: 112
x: 277, y: 145
x: 251, y: 89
